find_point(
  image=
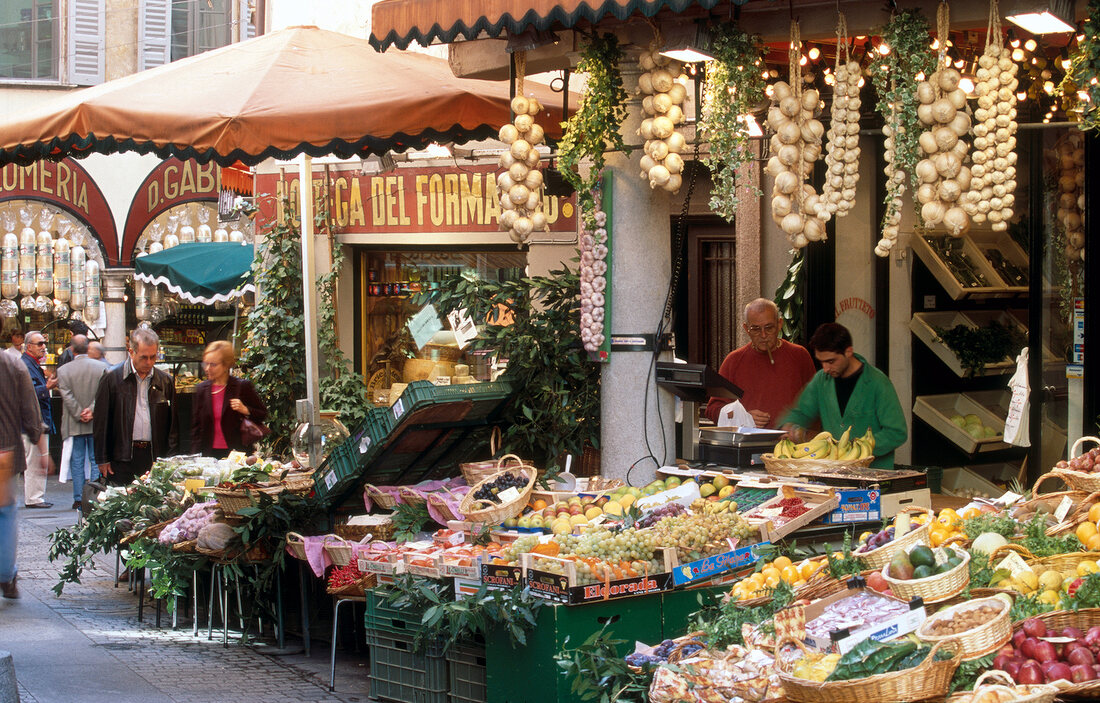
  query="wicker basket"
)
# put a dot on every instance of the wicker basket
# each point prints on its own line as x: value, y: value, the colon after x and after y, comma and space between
x: 443, y: 507
x: 1080, y: 480
x: 878, y: 558
x: 299, y: 483
x: 382, y: 500
x: 980, y: 641
x: 254, y: 553
x: 793, y: 468
x: 186, y: 547
x: 354, y: 533
x: 338, y: 549
x: 1058, y: 562
x: 929, y: 679
x: 355, y: 589
x: 677, y: 652
x: 492, y: 513
x: 296, y: 544
x: 933, y: 589
x: 476, y: 471
x: 411, y: 497
x: 995, y: 679
x: 233, y: 500
x: 1082, y: 619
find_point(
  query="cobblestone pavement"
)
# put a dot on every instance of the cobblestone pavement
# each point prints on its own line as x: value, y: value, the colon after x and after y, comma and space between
x: 88, y: 645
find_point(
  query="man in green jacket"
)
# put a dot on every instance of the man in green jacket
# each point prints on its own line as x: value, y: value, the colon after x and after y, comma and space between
x: 848, y: 392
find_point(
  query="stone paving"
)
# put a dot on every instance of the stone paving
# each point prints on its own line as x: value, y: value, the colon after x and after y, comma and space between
x: 88, y: 645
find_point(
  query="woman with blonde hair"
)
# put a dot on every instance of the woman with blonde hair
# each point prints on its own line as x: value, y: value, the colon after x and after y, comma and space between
x: 221, y: 402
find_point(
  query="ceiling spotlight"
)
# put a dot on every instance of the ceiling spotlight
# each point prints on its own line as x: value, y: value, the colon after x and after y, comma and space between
x: 814, y: 53
x: 1044, y: 22
x: 1031, y: 44
x: 1022, y: 95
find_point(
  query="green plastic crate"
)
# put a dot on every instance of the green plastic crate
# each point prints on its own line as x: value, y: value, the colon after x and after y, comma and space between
x: 677, y: 607
x: 336, y: 473
x: 398, y: 673
x: 421, y: 394
x: 385, y: 619
x: 466, y: 672
x: 348, y: 461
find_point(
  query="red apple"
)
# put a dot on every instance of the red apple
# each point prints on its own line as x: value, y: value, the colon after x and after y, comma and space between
x: 1081, y: 655
x: 1030, y: 673
x: 1028, y: 648
x: 1034, y: 627
x: 1012, y: 667
x: 1018, y: 638
x: 1072, y: 632
x: 1044, y: 652
x: 1058, y: 670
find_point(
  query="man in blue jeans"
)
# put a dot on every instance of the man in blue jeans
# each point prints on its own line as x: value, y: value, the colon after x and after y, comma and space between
x: 78, y: 382
x: 19, y: 417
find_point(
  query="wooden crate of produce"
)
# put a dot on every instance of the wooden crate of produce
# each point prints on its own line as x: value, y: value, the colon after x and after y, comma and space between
x: 773, y: 527
x: 937, y: 411
x: 1012, y: 268
x: 924, y: 325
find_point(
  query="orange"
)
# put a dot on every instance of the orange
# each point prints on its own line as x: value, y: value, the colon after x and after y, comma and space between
x: 539, y: 504
x: 770, y: 572
x: 781, y: 563
x: 790, y: 574
x: 937, y: 535
x: 807, y: 568
x: 1093, y: 545
x: 970, y: 513
x: 1085, y: 531
x: 772, y: 581
x: 1094, y: 513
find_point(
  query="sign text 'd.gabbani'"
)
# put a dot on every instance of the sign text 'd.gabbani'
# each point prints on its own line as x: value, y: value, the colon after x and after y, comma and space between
x: 413, y: 200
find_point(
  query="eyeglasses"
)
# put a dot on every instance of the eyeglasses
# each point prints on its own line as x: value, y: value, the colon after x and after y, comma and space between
x: 36, y: 344
x: 766, y: 329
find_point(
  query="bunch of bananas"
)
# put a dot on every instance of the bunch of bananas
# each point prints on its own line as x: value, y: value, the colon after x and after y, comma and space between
x: 713, y: 507
x: 824, y: 446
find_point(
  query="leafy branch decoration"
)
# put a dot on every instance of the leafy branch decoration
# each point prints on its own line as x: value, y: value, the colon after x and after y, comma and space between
x: 734, y: 86
x: 1084, y: 71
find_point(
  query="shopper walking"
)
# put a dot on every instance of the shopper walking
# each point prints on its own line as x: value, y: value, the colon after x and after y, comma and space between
x: 134, y: 421
x: 78, y: 382
x: 16, y: 338
x: 38, y: 452
x: 19, y: 419
x: 222, y: 402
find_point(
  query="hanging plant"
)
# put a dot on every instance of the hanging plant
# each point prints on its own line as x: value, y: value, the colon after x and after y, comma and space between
x: 1083, y: 77
x: 894, y: 76
x: 734, y: 87
x: 594, y: 127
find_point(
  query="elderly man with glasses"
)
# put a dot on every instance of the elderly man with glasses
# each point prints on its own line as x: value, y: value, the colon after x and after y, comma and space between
x: 38, y: 453
x: 770, y: 370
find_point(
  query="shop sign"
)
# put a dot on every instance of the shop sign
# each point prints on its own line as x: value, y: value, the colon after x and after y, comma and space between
x: 856, y: 506
x: 171, y: 183
x: 68, y: 186
x: 409, y: 201
x: 717, y: 564
x: 556, y: 587
x: 495, y: 576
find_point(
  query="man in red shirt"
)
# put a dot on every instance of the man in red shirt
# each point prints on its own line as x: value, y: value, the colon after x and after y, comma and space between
x: 771, y: 371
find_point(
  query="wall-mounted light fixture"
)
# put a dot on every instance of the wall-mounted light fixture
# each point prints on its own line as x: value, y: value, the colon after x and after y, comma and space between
x: 689, y: 43
x: 1041, y: 16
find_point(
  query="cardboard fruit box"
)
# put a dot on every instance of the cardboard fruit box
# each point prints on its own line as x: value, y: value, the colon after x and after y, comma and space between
x: 937, y: 410
x: 773, y: 526
x: 565, y: 587
x: 844, y: 639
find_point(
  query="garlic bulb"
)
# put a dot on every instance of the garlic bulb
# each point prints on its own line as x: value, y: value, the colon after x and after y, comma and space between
x: 519, y: 187
x: 1070, y: 160
x: 943, y: 167
x: 664, y: 95
x: 796, y: 207
x: 891, y: 222
x: 594, y: 277
x: 994, y: 132
x: 845, y: 115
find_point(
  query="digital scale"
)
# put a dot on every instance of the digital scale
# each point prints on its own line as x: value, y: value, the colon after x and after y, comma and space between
x: 696, y: 384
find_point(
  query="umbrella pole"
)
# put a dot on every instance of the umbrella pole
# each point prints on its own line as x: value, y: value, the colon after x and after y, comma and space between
x: 309, y: 298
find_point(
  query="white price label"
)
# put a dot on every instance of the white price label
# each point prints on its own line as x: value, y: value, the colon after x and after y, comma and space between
x: 398, y: 409
x: 508, y: 494
x: 330, y: 479
x: 1014, y: 563
x: 364, y: 444
x: 1063, y: 508
x: 363, y: 565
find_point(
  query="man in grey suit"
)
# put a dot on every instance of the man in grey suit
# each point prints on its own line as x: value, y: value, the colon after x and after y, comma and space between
x: 78, y: 382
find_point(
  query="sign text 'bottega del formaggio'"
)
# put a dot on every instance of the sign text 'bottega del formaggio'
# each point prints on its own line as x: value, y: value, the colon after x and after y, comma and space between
x: 453, y: 199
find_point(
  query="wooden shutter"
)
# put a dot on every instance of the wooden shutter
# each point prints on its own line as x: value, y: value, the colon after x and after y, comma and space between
x: 85, y: 45
x: 154, y: 33
x: 248, y: 22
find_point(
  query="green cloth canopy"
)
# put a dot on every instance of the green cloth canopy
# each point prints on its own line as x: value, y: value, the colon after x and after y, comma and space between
x: 201, y: 272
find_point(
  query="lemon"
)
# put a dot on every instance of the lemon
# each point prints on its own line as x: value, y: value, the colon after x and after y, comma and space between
x: 1094, y: 513
x: 1049, y: 597
x: 1028, y: 580
x: 1087, y: 567
x: 627, y: 501
x: 1086, y: 530
x: 1050, y: 580
x: 781, y: 563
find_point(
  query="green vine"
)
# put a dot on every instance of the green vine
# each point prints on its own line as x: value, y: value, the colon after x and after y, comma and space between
x: 598, y: 672
x: 734, y: 86
x: 894, y: 77
x: 594, y: 127
x: 1084, y: 71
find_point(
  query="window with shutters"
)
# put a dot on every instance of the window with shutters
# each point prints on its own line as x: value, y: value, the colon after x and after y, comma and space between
x: 201, y: 25
x: 29, y: 40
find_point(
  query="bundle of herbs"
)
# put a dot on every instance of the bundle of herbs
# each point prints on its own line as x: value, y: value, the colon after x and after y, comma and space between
x: 977, y: 346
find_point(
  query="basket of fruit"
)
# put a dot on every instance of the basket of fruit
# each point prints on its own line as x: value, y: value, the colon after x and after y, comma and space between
x: 1034, y: 659
x: 881, y: 546
x: 384, y: 500
x: 1082, y: 471
x: 820, y: 453
x: 996, y: 686
x: 1063, y: 563
x: 934, y: 574
x: 898, y: 671
x: 500, y: 496
x: 981, y: 626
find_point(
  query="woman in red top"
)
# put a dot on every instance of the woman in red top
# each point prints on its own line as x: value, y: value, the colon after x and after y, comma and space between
x: 221, y: 402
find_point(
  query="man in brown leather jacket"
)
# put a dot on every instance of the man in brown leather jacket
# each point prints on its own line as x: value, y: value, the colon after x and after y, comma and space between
x: 135, y: 418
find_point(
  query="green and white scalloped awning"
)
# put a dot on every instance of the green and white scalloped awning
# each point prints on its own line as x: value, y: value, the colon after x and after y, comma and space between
x: 200, y: 272
x: 400, y: 22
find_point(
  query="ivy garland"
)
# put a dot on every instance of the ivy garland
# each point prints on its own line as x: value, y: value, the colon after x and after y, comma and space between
x: 594, y: 127
x: 894, y: 77
x: 1084, y: 71
x: 734, y: 86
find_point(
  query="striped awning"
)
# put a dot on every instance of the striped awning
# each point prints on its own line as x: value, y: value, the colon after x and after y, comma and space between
x: 400, y: 22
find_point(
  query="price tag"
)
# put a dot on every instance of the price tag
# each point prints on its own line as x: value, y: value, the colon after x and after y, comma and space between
x: 543, y: 539
x: 363, y: 565
x: 442, y: 380
x: 398, y: 409
x: 508, y: 494
x: 364, y: 444
x: 1014, y: 563
x: 330, y: 479
x: 1063, y: 508
x: 423, y: 325
x: 463, y: 326
x: 1008, y: 499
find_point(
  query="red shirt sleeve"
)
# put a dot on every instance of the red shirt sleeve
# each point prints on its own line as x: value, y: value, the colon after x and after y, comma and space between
x: 726, y: 371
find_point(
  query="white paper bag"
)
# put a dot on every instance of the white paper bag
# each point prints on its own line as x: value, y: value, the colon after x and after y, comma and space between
x: 734, y: 415
x: 1016, y: 424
